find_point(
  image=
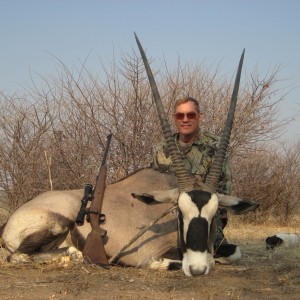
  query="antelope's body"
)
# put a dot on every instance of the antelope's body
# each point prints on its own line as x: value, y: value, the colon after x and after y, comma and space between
x: 44, y: 223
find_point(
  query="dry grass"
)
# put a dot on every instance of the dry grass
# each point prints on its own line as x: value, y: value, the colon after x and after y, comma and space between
x: 251, y: 233
x: 260, y: 274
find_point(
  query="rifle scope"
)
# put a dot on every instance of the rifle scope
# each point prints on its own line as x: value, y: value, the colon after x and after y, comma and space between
x: 88, y: 190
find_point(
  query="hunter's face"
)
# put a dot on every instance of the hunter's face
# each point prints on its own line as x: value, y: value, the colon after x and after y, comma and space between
x: 187, y: 118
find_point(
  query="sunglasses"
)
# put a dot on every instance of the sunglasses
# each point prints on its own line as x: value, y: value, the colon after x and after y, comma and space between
x: 190, y: 116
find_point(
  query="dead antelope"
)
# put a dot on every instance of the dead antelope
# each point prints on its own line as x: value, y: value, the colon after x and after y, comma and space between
x: 47, y: 222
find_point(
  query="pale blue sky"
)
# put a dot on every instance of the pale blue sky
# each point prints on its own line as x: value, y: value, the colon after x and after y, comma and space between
x: 213, y: 31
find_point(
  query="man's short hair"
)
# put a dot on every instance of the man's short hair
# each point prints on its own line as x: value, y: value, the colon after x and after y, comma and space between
x: 187, y: 99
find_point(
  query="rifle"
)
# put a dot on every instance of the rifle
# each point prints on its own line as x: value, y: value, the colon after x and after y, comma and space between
x: 93, y: 251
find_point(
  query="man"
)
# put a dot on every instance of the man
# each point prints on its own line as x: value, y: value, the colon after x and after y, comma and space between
x: 198, y: 150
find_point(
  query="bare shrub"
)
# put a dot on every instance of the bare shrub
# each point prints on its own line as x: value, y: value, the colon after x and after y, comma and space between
x: 24, y: 128
x: 271, y: 177
x: 54, y: 136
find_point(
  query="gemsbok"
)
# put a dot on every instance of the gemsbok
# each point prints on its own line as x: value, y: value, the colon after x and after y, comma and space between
x: 46, y: 224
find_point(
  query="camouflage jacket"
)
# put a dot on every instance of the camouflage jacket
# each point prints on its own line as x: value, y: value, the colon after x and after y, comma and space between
x: 197, y: 159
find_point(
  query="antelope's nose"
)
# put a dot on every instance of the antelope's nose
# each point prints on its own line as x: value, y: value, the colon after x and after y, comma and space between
x: 196, y: 271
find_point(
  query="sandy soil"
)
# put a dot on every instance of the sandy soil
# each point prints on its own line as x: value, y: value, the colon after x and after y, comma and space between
x: 261, y: 274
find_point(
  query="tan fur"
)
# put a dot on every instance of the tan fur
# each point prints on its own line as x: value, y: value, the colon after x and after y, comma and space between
x: 125, y: 216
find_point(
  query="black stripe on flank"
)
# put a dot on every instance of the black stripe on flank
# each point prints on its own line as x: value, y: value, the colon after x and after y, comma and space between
x: 197, y: 235
x: 40, y: 238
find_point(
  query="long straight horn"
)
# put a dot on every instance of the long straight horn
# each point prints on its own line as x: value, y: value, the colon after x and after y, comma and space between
x: 215, y: 171
x: 184, y: 180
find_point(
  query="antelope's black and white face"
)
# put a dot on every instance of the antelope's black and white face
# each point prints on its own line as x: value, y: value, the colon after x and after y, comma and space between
x: 196, y: 211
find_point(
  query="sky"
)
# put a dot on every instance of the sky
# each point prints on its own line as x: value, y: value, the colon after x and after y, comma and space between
x: 34, y: 32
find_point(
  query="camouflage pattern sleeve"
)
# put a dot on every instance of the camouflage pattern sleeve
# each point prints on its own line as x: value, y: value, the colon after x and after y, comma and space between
x: 225, y: 183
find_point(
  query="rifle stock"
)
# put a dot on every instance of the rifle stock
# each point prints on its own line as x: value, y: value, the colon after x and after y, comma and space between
x: 93, y: 251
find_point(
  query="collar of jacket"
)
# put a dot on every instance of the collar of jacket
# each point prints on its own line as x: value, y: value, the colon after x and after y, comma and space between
x: 202, y: 139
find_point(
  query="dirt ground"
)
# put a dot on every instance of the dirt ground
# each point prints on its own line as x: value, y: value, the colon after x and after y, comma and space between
x: 260, y: 274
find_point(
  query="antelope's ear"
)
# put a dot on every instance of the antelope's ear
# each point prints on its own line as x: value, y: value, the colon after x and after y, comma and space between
x: 236, y: 205
x: 156, y: 197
